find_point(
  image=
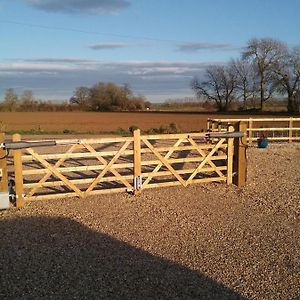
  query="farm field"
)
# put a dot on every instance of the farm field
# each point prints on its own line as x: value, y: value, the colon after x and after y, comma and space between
x: 93, y: 122
x: 206, y: 241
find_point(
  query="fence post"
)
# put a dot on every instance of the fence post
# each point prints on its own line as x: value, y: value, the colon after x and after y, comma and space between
x: 239, y: 162
x: 137, y: 162
x: 213, y: 126
x: 250, y: 132
x: 219, y: 126
x: 290, y: 130
x: 230, y: 156
x: 209, y: 126
x: 3, y: 166
x: 17, y: 155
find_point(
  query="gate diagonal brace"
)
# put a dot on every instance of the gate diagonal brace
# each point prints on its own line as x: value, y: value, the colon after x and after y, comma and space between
x: 207, y: 158
x: 164, y: 161
x: 55, y: 172
x: 105, y: 163
x: 201, y: 152
x: 106, y: 169
x: 49, y: 173
x: 157, y: 168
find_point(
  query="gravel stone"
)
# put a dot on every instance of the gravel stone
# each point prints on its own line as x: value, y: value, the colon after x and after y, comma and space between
x: 206, y: 241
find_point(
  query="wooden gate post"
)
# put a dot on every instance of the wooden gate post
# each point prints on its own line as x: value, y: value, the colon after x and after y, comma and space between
x: 137, y: 170
x: 290, y: 130
x: 17, y: 155
x: 230, y: 150
x: 239, y: 162
x: 3, y: 167
x: 250, y: 132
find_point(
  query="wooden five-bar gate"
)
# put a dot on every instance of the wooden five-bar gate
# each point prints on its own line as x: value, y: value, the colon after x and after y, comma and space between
x: 94, y: 166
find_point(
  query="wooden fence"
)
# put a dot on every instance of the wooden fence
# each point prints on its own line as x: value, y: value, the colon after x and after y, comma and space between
x: 275, y: 129
x: 107, y: 165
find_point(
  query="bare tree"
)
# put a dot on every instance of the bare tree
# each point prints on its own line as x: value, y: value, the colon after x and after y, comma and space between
x: 10, y: 99
x: 265, y: 53
x: 288, y: 78
x: 219, y: 86
x: 27, y: 97
x: 81, y: 96
x: 246, y: 81
x: 27, y: 101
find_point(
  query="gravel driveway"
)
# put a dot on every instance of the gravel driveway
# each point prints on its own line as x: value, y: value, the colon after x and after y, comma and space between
x: 209, y: 241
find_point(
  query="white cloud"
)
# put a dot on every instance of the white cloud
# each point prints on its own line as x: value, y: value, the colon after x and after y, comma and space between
x: 103, y: 46
x: 58, y: 77
x: 95, y: 7
x: 190, y: 47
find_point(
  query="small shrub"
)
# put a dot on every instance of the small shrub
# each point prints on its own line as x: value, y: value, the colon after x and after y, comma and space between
x: 67, y: 131
x: 132, y: 128
x: 173, y: 128
x: 121, y: 131
x: 158, y: 130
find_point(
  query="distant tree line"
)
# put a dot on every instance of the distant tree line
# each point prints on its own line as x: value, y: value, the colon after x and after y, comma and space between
x: 100, y: 97
x: 108, y: 97
x: 267, y: 67
x: 28, y: 102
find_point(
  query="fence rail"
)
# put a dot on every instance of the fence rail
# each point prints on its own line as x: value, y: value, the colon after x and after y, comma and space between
x: 107, y: 165
x: 275, y: 129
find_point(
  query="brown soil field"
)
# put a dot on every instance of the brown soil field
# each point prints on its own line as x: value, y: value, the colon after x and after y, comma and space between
x: 206, y: 241
x: 96, y: 122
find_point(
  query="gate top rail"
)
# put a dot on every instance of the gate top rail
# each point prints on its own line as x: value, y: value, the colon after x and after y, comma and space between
x: 14, y: 145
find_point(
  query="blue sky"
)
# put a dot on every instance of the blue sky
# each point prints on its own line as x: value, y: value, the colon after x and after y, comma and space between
x: 157, y: 46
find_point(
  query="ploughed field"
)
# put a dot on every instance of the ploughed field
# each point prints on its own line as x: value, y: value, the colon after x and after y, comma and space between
x: 100, y: 122
x: 206, y: 241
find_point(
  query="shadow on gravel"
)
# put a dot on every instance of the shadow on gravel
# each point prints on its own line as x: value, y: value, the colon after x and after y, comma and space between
x: 43, y: 257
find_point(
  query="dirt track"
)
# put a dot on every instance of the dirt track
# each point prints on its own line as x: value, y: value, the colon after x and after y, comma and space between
x: 202, y: 242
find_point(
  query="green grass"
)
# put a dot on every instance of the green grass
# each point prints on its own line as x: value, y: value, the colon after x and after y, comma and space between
x: 171, y: 128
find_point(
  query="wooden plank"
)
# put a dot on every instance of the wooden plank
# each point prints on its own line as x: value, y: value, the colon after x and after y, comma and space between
x: 209, y: 179
x: 55, y: 172
x: 3, y: 166
x: 173, y: 136
x: 73, y: 194
x: 79, y: 155
x: 240, y: 164
x: 84, y: 155
x: 176, y: 183
x: 116, y: 166
x: 118, y: 190
x: 278, y: 138
x: 274, y: 129
x: 207, y: 158
x: 114, y: 178
x: 107, y: 167
x: 17, y: 157
x: 105, y: 140
x: 164, y: 161
x: 256, y: 120
x: 77, y: 169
